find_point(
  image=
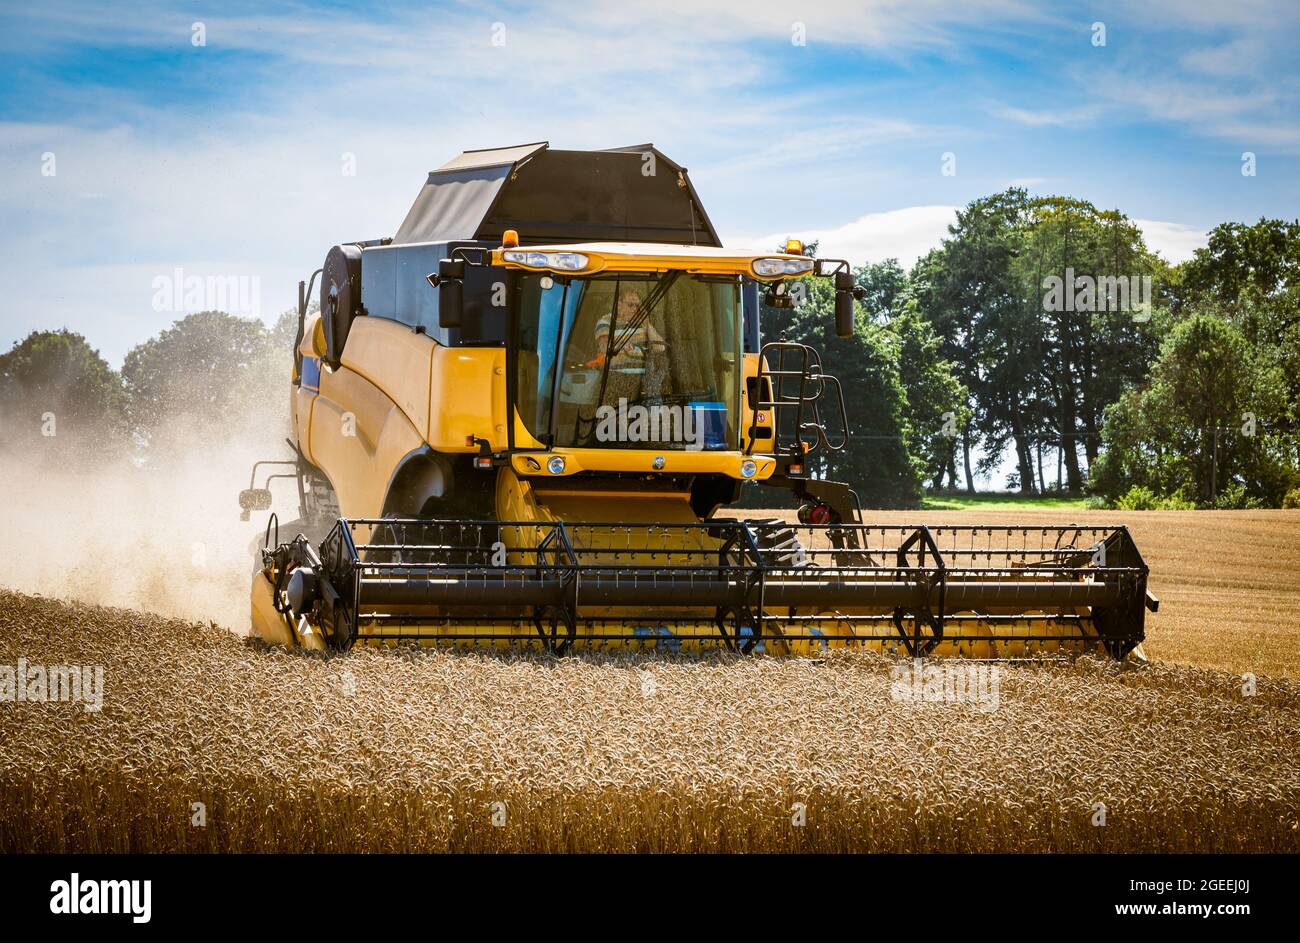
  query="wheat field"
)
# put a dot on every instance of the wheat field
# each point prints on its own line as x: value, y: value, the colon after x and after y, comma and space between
x: 431, y: 751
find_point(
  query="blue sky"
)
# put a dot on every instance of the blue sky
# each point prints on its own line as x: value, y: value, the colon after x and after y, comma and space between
x: 226, y: 158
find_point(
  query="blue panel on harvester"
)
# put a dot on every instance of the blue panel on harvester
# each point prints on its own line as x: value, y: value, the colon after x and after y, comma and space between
x: 311, y: 374
x: 711, y: 424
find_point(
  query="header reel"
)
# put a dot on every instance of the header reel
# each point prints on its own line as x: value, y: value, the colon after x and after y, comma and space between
x: 747, y: 586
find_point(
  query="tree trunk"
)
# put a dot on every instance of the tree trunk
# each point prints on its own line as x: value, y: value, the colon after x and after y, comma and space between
x: 1091, y: 445
x: 1069, y: 436
x: 1025, y: 462
x: 1091, y: 442
x: 965, y: 447
x: 1073, y: 473
x: 1070, y: 448
x: 1024, y: 452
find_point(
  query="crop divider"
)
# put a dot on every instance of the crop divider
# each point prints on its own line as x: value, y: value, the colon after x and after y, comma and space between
x: 927, y: 579
x: 554, y: 545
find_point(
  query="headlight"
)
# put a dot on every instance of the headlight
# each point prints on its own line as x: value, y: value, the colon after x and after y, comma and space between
x: 561, y: 261
x: 569, y: 261
x: 770, y: 268
x: 748, y: 468
x: 556, y: 465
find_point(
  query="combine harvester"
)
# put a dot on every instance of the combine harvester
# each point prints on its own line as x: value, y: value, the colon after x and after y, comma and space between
x: 516, y: 421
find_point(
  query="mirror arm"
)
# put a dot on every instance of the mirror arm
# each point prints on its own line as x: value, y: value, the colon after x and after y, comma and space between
x: 462, y: 254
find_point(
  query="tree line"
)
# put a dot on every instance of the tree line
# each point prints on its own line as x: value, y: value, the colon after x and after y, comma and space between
x: 1043, y: 329
x: 207, y: 373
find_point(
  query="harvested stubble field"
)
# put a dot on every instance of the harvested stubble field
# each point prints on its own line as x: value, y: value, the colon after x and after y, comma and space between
x: 411, y: 750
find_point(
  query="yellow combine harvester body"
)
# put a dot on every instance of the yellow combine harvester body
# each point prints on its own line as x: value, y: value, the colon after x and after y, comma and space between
x: 396, y: 392
x: 532, y: 446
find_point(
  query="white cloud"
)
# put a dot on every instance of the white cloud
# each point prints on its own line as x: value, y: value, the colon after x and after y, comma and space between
x: 1244, y: 56
x: 571, y: 36
x: 1239, y: 88
x: 253, y: 187
x: 822, y: 143
x: 147, y: 183
x: 1175, y: 241
x: 1059, y: 117
x: 1260, y: 16
x: 909, y: 233
x: 904, y: 234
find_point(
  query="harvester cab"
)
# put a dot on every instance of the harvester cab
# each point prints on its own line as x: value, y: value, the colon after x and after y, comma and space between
x: 518, y: 422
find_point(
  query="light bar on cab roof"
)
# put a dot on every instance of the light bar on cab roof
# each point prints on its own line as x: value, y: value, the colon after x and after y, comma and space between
x: 771, y: 268
x: 558, y: 261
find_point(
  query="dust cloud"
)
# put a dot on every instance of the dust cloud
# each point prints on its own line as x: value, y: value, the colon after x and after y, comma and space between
x: 159, y: 533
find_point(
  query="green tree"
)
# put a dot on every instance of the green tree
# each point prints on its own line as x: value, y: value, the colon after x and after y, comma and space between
x: 1040, y: 365
x: 209, y: 373
x: 885, y: 284
x: 1251, y: 274
x: 56, y: 389
x: 1094, y: 337
x: 282, y: 334
x: 875, y: 461
x: 968, y: 291
x: 1208, y: 420
x: 1262, y: 259
x: 934, y: 399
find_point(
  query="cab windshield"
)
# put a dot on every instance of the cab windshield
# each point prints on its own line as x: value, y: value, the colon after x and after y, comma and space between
x: 629, y: 361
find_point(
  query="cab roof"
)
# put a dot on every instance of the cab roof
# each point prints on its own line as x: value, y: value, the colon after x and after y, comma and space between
x: 557, y: 196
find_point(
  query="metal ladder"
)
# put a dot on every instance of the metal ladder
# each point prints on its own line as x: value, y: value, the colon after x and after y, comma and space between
x: 794, y: 389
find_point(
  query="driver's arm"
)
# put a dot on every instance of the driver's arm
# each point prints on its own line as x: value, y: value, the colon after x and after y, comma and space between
x: 654, y: 338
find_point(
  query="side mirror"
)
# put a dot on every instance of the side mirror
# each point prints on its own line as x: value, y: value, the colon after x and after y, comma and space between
x: 254, y: 499
x: 844, y: 313
x: 844, y: 304
x: 451, y: 291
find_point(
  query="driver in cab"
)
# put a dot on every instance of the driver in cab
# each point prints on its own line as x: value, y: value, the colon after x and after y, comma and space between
x: 632, y: 342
